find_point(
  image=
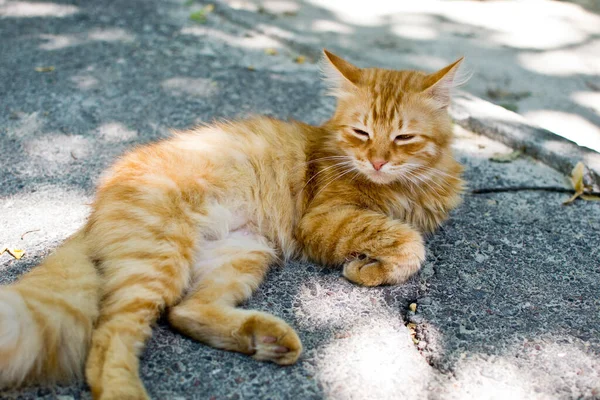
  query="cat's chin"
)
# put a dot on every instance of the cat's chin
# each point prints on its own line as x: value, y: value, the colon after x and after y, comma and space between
x: 380, y: 178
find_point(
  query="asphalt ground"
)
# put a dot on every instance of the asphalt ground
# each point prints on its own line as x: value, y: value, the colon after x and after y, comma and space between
x: 507, y: 302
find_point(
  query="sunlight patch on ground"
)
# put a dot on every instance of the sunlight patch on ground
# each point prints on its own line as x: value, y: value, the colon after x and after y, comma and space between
x: 255, y: 42
x: 56, y: 42
x: 541, y: 370
x: 58, y: 149
x: 469, y: 144
x: 199, y: 87
x: 588, y: 99
x: 270, y: 6
x: 415, y: 32
x: 84, y: 82
x: 426, y: 62
x: 571, y: 126
x: 26, y: 9
x: 531, y: 24
x: 560, y: 63
x: 116, y: 132
x: 500, y: 380
x: 27, y: 126
x: 326, y: 306
x: 280, y: 6
x: 56, y: 211
x: 324, y: 25
x: 378, y: 358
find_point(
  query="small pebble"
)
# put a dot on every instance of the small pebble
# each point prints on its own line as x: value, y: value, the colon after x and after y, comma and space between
x: 425, y: 301
x: 415, y: 318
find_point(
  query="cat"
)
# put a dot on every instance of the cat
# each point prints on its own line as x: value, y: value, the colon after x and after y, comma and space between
x: 191, y: 225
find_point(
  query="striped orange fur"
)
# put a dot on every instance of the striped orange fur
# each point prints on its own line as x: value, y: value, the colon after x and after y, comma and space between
x: 191, y: 225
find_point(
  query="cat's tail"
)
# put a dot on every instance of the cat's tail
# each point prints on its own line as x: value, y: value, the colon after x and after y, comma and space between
x: 47, y: 318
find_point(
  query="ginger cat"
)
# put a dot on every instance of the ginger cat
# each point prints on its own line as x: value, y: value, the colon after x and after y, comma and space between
x: 192, y: 223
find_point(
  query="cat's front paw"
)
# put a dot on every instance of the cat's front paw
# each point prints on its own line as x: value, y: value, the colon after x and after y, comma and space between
x: 391, y: 270
x: 365, y: 271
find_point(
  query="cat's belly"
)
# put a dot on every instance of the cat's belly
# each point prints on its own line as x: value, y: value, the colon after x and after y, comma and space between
x: 215, y: 252
x: 226, y: 233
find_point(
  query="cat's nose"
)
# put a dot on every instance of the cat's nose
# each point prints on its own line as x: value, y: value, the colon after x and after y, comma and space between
x: 378, y: 164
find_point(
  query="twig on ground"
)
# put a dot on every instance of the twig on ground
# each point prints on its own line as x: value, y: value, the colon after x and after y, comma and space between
x: 34, y: 230
x: 555, y: 189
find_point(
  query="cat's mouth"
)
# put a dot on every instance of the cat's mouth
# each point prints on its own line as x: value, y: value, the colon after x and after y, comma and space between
x: 379, y: 177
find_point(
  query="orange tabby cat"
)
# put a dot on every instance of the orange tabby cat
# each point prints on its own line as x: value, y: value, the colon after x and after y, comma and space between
x: 192, y: 223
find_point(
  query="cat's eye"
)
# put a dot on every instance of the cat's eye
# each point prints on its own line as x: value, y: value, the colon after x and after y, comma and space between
x: 360, y: 132
x: 403, y: 138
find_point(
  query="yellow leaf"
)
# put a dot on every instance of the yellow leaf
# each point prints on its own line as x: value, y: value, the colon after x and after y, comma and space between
x: 16, y: 253
x: 300, y: 59
x: 572, y: 198
x: 590, y: 197
x: 271, y: 51
x: 577, y: 177
x: 44, y: 69
x: 251, y: 68
x: 3, y: 249
x: 413, y: 307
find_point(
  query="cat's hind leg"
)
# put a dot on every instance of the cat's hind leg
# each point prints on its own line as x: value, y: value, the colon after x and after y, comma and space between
x: 227, y: 274
x: 136, y: 289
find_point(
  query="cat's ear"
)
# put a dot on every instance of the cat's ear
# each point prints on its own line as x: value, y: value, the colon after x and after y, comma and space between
x: 440, y: 84
x: 340, y: 75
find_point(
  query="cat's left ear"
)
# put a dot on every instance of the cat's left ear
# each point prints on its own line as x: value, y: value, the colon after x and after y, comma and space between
x: 440, y: 84
x: 341, y: 76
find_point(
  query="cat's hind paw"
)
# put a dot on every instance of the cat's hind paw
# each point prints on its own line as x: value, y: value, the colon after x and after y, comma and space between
x: 272, y: 339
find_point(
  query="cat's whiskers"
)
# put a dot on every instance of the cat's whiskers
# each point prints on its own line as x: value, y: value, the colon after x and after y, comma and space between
x: 335, y: 178
x: 426, y: 179
x: 423, y: 180
x: 411, y: 176
x: 328, y: 158
x: 435, y: 170
x: 340, y: 164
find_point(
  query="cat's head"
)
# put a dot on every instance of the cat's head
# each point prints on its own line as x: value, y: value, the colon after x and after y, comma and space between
x: 393, y: 125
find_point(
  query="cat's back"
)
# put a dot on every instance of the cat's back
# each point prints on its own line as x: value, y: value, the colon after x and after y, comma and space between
x: 253, y: 169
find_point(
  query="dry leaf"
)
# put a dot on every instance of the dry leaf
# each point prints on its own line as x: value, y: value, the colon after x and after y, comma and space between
x: 44, y: 69
x: 413, y: 307
x: 16, y: 253
x: 590, y: 197
x: 300, y: 59
x: 571, y: 199
x: 498, y: 94
x: 577, y: 182
x: 577, y: 177
x: 200, y: 15
x: 251, y: 68
x: 271, y: 51
x: 507, y: 157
